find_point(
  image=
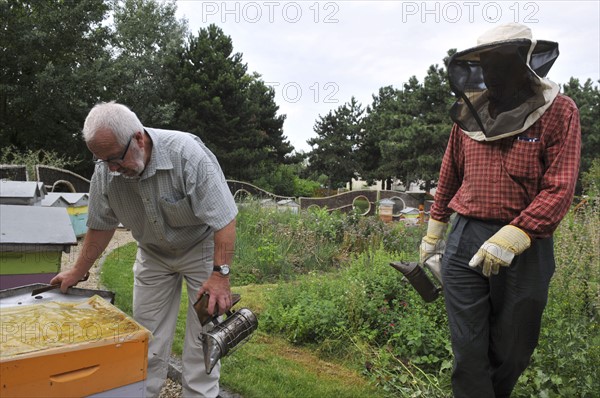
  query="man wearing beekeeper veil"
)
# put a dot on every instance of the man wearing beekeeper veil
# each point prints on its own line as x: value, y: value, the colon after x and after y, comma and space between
x: 509, y: 172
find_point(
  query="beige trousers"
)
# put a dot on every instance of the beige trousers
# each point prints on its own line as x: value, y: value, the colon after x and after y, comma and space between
x: 158, y: 279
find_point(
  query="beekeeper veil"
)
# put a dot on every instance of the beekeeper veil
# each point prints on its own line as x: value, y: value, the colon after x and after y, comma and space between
x: 501, y: 84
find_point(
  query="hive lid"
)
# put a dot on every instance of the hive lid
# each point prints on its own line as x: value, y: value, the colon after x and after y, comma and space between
x: 288, y: 202
x: 35, y: 225
x: 76, y: 198
x: 20, y: 192
x: 409, y: 210
x: 73, y: 325
x: 54, y: 199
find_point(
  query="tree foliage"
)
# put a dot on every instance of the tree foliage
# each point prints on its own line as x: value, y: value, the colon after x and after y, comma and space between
x: 60, y: 58
x: 405, y: 131
x: 50, y: 53
x: 145, y: 42
x: 232, y: 111
x: 587, y: 98
x: 334, y: 149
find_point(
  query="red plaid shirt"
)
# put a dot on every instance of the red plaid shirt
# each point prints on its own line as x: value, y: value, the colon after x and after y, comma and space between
x: 526, y: 180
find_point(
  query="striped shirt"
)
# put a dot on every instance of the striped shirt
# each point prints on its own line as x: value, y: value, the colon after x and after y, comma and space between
x: 526, y: 180
x: 178, y: 201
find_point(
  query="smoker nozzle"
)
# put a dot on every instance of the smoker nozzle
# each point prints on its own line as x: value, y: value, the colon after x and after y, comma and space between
x: 418, y: 279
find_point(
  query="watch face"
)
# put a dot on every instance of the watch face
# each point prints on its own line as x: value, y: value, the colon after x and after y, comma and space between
x: 223, y: 269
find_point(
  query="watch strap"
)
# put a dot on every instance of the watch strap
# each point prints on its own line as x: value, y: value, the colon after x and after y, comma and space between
x: 222, y: 269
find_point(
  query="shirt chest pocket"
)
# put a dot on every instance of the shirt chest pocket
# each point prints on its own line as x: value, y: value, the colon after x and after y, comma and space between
x: 179, y: 213
x: 523, y: 160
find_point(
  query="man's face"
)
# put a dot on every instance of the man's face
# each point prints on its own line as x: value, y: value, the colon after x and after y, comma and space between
x: 504, y: 74
x: 127, y: 160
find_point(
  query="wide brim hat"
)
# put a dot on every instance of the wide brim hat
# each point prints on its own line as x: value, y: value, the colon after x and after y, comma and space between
x: 539, y: 55
x: 465, y: 75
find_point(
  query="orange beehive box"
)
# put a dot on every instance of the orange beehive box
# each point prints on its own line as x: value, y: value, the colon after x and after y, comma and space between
x: 69, y: 349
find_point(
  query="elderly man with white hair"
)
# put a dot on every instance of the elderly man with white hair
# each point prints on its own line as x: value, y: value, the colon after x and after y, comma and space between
x: 169, y: 190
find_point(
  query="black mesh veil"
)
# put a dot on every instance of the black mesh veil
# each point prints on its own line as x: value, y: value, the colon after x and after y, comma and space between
x: 468, y: 82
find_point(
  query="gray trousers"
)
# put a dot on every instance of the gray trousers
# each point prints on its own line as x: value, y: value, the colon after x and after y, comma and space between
x: 494, y: 322
x: 158, y: 279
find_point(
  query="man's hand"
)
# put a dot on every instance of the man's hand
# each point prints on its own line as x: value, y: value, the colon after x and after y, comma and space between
x: 433, y: 243
x: 218, y: 289
x: 500, y: 249
x: 94, y: 243
x: 66, y: 279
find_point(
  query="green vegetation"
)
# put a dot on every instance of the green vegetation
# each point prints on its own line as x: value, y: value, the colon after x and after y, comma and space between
x: 269, y: 366
x: 336, y: 320
x: 117, y: 274
x: 30, y: 158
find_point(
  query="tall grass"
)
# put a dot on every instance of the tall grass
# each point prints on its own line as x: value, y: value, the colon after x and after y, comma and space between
x: 566, y: 360
x: 333, y: 291
x: 277, y: 245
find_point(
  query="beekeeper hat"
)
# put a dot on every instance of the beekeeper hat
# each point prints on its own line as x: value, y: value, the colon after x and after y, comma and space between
x: 466, y: 81
x: 540, y: 54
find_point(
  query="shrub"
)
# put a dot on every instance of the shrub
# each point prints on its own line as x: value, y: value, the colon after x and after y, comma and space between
x: 29, y: 158
x: 274, y: 245
x: 284, y: 181
x: 368, y: 302
x: 569, y: 350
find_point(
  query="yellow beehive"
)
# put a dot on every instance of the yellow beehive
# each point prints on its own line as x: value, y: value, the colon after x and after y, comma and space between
x: 59, y: 349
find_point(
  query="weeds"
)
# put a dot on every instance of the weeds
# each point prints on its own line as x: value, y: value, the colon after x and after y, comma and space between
x: 405, y: 342
x: 11, y: 155
x: 569, y: 348
x: 336, y: 293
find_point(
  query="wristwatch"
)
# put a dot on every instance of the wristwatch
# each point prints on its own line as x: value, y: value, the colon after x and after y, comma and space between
x: 222, y: 269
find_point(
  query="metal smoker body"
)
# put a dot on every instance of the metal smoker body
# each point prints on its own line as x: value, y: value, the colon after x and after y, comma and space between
x: 225, y: 336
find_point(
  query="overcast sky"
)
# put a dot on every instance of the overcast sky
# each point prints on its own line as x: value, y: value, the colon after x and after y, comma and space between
x: 318, y: 54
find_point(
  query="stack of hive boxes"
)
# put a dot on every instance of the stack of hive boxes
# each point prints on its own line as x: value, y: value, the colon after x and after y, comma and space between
x: 32, y: 237
x: 76, y: 205
x: 54, y: 344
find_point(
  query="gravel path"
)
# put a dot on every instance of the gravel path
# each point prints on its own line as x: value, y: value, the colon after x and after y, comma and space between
x: 120, y: 238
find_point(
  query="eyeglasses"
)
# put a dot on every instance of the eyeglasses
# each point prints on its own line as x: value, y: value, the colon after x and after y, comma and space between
x: 114, y: 161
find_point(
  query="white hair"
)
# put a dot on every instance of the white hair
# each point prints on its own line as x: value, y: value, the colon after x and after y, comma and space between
x: 117, y: 118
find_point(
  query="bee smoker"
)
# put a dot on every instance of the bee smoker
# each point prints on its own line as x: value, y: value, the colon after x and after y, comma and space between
x: 225, y: 336
x: 418, y: 278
